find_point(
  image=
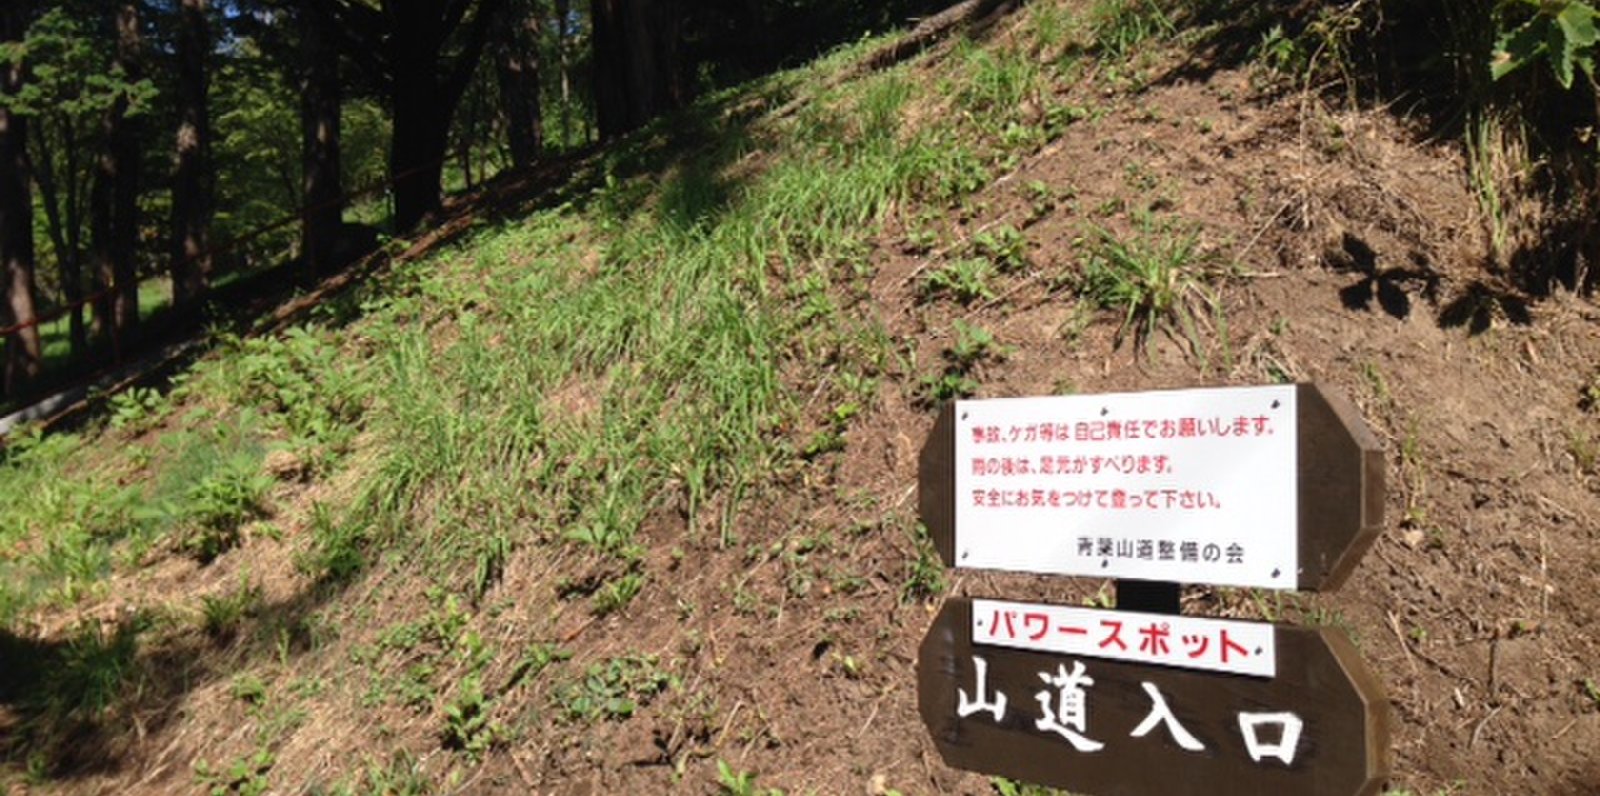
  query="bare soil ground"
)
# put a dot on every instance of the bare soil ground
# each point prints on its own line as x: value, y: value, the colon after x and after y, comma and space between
x: 1362, y: 264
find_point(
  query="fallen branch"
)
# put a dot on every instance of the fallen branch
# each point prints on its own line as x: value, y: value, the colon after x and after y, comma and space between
x: 928, y: 32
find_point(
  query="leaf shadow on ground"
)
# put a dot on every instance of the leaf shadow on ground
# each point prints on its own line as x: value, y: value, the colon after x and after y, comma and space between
x: 1398, y: 64
x: 67, y: 705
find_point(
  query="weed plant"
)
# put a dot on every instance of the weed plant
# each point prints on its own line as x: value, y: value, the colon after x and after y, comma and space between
x: 467, y: 726
x: 740, y: 783
x: 611, y: 689
x: 1156, y: 281
x: 966, y: 280
x: 969, y: 347
x: 1119, y: 27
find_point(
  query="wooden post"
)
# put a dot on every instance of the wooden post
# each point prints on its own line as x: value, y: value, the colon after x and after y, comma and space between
x: 1149, y: 596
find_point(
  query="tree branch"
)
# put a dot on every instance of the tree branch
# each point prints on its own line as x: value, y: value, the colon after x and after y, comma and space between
x: 466, y: 61
x: 358, y: 29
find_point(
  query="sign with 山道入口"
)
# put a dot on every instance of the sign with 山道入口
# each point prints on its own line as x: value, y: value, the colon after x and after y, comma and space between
x: 1276, y: 487
x: 1318, y: 727
x: 1268, y: 487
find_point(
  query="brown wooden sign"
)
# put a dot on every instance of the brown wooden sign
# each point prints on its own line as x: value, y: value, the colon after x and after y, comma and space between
x: 1320, y: 727
x: 1083, y: 482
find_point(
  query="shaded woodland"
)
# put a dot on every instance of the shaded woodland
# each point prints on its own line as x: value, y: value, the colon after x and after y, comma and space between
x: 155, y: 151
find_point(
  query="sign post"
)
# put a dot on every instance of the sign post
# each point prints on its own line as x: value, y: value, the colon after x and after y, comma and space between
x: 1262, y: 487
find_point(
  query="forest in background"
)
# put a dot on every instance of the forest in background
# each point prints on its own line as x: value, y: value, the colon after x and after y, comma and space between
x: 157, y: 150
x: 153, y: 150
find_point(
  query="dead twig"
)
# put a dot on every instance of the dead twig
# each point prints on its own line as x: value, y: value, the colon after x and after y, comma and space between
x: 1473, y: 741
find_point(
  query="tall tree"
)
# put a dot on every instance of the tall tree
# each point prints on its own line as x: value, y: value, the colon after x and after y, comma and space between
x: 22, y: 349
x: 423, y: 54
x: 564, y: 24
x: 192, y: 183
x: 636, y: 69
x: 114, y: 205
x: 71, y: 88
x: 322, y: 195
x: 517, y: 72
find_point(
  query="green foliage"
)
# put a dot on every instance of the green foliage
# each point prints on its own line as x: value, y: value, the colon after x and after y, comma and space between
x: 612, y: 689
x: 1591, y: 690
x: 1281, y: 52
x: 71, y: 84
x: 91, y: 671
x: 69, y: 72
x: 969, y: 347
x: 337, y: 547
x: 216, y: 505
x: 1007, y: 787
x: 403, y: 776
x: 222, y: 614
x: 925, y: 575
x: 138, y: 408
x: 246, y: 776
x: 256, y: 145
x: 740, y: 783
x: 616, y: 594
x: 1005, y: 246
x: 467, y: 726
x: 1561, y: 33
x: 1154, y: 279
x: 538, y: 657
x: 490, y: 563
x: 945, y: 386
x: 831, y: 438
x: 249, y: 689
x: 1119, y: 27
x: 301, y: 381
x: 996, y: 81
x: 944, y: 168
x: 1589, y: 393
x: 57, y: 521
x: 972, y: 344
x: 966, y: 280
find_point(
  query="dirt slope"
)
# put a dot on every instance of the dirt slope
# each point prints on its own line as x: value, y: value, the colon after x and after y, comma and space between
x: 1348, y: 250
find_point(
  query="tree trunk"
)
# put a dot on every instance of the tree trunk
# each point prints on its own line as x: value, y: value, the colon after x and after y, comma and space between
x: 125, y: 158
x: 417, y: 149
x: 424, y: 93
x: 190, y: 255
x: 517, y: 72
x: 563, y: 26
x: 60, y: 218
x: 635, y: 63
x: 22, y: 349
x: 321, y: 192
x: 69, y: 251
x: 610, y: 66
x: 100, y: 258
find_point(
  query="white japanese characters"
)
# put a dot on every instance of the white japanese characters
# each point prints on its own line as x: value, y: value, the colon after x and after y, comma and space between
x: 1161, y: 714
x: 1250, y: 725
x: 1072, y: 710
x: 1064, y: 712
x: 982, y: 704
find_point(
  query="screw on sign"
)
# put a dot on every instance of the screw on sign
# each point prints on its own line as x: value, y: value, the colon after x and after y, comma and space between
x: 1269, y: 487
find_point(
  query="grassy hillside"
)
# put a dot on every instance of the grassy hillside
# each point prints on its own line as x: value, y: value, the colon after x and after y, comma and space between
x: 614, y: 490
